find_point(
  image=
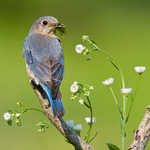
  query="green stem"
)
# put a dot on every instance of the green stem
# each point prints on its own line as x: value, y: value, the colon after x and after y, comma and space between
x: 133, y: 97
x: 88, y: 135
x: 116, y: 102
x: 138, y: 84
x: 123, y: 143
x: 91, y: 111
x: 93, y: 137
x: 124, y: 123
x: 117, y: 67
x: 87, y: 105
x: 114, y: 96
x: 122, y: 79
x: 34, y: 109
x: 91, y: 116
x: 93, y: 44
x: 123, y: 115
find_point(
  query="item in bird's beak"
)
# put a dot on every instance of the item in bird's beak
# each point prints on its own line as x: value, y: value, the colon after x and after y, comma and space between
x: 60, y: 29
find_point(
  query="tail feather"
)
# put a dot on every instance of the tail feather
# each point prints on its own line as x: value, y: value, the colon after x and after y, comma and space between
x: 59, y: 107
x: 56, y: 104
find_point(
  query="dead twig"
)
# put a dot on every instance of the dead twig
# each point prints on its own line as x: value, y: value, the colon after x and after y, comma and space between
x: 59, y: 123
x: 142, y: 134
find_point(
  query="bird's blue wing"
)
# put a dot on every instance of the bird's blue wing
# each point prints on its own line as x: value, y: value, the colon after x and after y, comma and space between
x: 27, y: 53
x: 45, y: 59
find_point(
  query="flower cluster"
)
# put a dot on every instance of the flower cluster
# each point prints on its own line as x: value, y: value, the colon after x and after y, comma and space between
x: 87, y: 47
x: 82, y: 92
x: 42, y: 126
x: 79, y: 90
x: 125, y: 91
x: 13, y: 116
x: 16, y: 116
x: 108, y: 82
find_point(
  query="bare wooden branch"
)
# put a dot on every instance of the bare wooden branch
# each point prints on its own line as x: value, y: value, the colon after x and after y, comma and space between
x: 59, y: 123
x: 142, y: 134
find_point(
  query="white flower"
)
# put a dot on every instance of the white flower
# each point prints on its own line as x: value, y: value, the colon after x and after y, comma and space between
x: 108, y: 82
x: 88, y: 120
x: 70, y: 123
x: 126, y: 91
x: 7, y: 116
x: 81, y: 101
x: 75, y: 82
x: 91, y: 88
x: 77, y: 127
x: 79, y: 48
x: 18, y: 115
x: 139, y: 69
x: 74, y: 88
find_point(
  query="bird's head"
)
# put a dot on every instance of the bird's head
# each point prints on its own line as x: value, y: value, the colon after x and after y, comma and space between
x: 48, y: 26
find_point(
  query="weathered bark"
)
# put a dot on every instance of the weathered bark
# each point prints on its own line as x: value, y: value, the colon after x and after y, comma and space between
x: 59, y: 123
x: 142, y: 134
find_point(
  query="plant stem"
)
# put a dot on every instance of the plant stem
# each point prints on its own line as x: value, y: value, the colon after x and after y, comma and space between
x: 116, y: 102
x: 124, y: 123
x: 140, y: 77
x: 117, y: 67
x: 91, y: 111
x: 34, y: 109
x: 91, y: 116
x: 114, y: 96
x: 93, y: 137
x: 124, y: 114
x: 87, y: 105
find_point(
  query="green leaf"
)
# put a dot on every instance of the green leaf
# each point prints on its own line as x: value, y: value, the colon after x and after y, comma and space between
x: 93, y: 137
x: 9, y: 122
x: 114, y: 65
x: 112, y: 146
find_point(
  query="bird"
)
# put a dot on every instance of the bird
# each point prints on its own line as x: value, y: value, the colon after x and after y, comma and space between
x: 45, y: 59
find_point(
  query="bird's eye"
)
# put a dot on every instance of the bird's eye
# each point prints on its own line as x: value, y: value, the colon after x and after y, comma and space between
x: 45, y: 22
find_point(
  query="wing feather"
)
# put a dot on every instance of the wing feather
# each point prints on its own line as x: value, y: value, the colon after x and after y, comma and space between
x: 45, y: 58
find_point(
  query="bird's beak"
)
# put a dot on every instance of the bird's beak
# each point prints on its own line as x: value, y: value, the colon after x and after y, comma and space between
x: 58, y: 27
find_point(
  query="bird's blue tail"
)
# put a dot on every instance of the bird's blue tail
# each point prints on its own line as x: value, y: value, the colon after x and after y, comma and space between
x: 56, y: 104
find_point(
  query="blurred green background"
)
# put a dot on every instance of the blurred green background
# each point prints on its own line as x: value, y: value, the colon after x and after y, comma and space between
x: 120, y: 27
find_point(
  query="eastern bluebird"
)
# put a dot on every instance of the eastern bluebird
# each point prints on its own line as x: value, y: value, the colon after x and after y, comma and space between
x: 45, y: 60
